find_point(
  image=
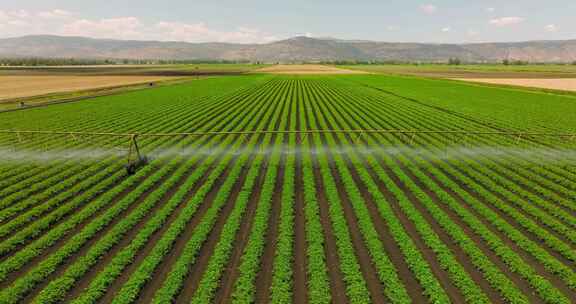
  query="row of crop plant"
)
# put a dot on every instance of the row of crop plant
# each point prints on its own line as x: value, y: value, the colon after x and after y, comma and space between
x: 131, y: 197
x: 547, y: 292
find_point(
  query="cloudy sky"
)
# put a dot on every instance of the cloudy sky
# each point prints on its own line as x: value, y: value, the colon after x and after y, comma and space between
x: 260, y: 21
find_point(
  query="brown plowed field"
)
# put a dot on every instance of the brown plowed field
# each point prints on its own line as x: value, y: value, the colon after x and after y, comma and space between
x: 563, y: 84
x: 25, y: 86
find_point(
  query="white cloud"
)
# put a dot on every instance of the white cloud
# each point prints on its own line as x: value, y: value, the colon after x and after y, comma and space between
x: 18, y: 23
x: 54, y: 14
x: 62, y: 22
x: 472, y: 33
x: 446, y: 29
x: 19, y: 14
x: 303, y: 34
x: 429, y: 9
x: 200, y: 32
x: 123, y: 28
x: 506, y: 21
x: 392, y: 28
x: 490, y: 10
x: 551, y: 28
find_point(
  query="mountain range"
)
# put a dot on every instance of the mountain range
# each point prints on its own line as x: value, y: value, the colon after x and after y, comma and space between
x: 297, y: 49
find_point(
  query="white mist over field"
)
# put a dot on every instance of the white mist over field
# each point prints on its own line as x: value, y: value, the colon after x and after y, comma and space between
x: 486, y: 153
x: 11, y: 155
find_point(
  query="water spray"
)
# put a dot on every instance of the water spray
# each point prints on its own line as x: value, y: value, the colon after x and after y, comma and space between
x: 136, y: 159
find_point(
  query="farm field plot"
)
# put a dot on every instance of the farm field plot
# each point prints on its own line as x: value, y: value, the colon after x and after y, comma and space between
x: 306, y: 69
x: 130, y: 70
x: 471, y: 71
x: 41, y: 85
x: 554, y: 84
x: 286, y: 217
x: 25, y: 86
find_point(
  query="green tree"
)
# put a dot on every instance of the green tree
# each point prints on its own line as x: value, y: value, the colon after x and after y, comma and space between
x: 454, y: 61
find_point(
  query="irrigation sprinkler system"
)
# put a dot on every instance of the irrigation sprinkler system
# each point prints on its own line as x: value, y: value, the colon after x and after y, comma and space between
x: 135, y: 159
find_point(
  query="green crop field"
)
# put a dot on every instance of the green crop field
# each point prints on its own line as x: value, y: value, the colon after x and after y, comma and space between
x: 287, y: 217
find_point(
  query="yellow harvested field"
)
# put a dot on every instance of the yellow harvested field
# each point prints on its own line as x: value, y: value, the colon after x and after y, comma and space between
x: 564, y: 84
x: 307, y: 69
x: 27, y: 86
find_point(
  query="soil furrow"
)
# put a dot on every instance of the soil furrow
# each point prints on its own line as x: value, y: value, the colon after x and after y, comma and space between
x: 437, y: 270
x: 540, y: 269
x: 300, y: 244
x: 84, y: 249
x: 522, y: 284
x: 196, y: 272
x: 517, y: 208
x: 231, y: 272
x: 162, y: 271
x: 504, y: 217
x: 264, y: 276
x: 71, y: 233
x: 337, y: 284
x: 364, y: 259
x: 514, y: 277
x: 165, y: 266
x: 127, y: 239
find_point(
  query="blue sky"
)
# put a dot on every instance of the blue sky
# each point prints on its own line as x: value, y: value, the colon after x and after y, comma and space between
x: 259, y: 21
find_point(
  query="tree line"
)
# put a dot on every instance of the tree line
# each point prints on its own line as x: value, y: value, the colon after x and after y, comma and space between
x: 79, y: 62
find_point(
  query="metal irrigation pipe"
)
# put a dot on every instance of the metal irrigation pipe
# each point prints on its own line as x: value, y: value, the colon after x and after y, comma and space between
x: 136, y: 159
x: 351, y: 131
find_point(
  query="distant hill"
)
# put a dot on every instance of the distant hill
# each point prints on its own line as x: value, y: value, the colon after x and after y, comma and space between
x: 290, y: 50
